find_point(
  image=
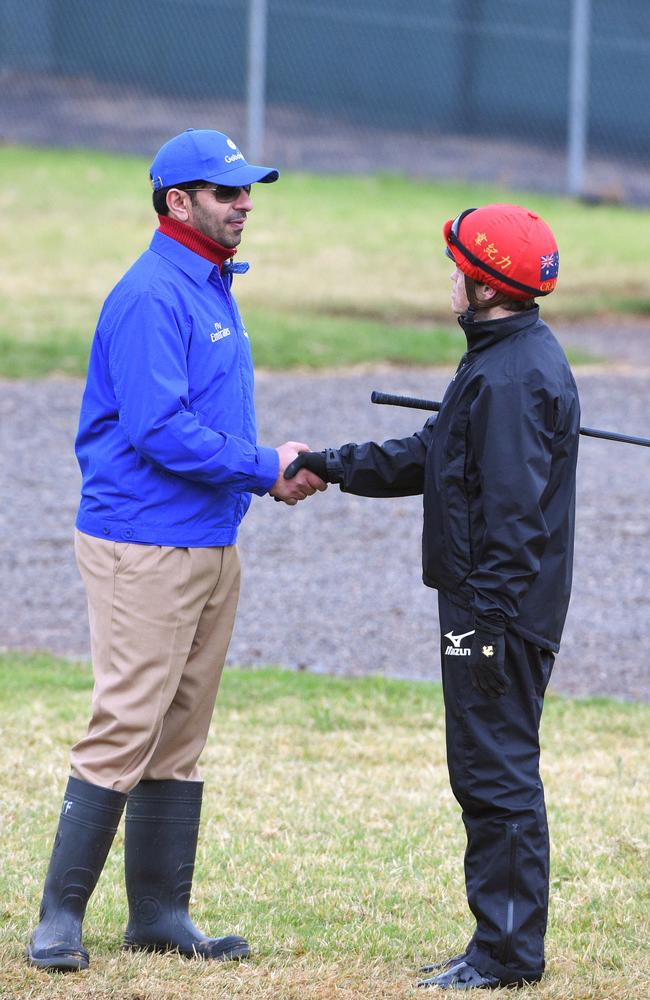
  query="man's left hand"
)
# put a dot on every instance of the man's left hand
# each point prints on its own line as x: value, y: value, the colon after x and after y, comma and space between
x: 487, y: 662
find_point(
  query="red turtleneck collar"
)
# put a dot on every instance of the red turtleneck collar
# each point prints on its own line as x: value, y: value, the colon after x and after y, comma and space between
x: 196, y: 241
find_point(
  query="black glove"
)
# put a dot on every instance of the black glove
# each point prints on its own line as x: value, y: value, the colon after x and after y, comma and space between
x: 487, y: 658
x: 312, y: 460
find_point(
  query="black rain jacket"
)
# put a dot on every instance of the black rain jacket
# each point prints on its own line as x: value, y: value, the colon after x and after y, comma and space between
x: 497, y: 468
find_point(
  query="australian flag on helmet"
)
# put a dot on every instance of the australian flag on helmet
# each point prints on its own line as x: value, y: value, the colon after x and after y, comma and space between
x: 550, y: 265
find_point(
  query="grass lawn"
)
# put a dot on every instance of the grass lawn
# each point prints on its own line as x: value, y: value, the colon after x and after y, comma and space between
x: 345, y: 269
x: 331, y: 839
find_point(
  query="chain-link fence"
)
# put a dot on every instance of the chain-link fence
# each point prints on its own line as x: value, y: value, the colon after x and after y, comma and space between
x: 551, y: 97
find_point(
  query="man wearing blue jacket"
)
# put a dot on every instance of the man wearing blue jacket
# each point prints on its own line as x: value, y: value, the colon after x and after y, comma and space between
x: 497, y: 470
x: 169, y: 459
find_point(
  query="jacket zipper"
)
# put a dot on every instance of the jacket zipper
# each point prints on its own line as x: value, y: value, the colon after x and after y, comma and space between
x: 461, y: 364
x: 246, y: 395
x: 513, y: 840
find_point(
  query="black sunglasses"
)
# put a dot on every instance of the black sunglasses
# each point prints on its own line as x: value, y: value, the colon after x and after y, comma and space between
x: 223, y: 193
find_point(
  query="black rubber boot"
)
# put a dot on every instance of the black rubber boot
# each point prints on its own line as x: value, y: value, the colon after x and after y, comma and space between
x: 89, y: 818
x: 162, y: 828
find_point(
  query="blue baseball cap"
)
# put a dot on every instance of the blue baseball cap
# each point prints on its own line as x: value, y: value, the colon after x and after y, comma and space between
x: 206, y: 155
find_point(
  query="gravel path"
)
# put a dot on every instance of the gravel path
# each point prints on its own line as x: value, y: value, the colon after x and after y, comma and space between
x: 334, y: 584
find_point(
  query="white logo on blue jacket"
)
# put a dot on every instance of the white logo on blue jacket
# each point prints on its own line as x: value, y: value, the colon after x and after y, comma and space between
x: 219, y: 332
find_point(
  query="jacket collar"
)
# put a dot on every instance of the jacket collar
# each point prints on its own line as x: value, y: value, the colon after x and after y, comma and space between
x: 195, y: 240
x: 482, y: 334
x: 197, y: 268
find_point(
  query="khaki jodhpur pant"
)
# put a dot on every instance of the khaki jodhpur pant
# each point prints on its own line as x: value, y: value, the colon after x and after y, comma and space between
x: 161, y: 619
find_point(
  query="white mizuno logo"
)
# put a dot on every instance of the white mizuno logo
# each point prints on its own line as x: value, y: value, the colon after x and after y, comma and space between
x: 455, y: 649
x: 457, y: 639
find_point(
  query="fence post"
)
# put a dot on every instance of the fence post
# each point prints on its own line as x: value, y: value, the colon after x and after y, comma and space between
x: 578, y: 97
x: 257, y: 18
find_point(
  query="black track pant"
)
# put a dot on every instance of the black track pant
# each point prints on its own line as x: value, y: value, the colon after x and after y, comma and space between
x: 493, y: 761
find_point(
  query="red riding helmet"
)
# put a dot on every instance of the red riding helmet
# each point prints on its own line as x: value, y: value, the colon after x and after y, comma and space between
x: 506, y: 247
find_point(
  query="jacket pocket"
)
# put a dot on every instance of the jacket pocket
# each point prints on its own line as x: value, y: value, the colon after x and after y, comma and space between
x: 456, y: 528
x: 455, y: 499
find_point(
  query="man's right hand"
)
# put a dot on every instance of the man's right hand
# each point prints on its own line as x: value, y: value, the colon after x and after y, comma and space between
x: 312, y: 460
x: 302, y: 485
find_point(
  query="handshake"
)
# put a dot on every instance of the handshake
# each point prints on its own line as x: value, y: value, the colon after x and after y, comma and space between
x: 302, y: 472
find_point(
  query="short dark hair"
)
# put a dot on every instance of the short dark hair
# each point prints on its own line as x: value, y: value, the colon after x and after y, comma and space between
x: 500, y: 299
x: 159, y: 198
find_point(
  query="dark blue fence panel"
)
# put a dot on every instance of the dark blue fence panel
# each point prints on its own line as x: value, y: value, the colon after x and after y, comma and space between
x: 495, y: 70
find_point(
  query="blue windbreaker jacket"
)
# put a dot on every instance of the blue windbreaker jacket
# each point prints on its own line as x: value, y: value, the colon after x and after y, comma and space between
x: 167, y: 436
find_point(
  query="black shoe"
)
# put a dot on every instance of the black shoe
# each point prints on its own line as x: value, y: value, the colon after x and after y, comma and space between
x: 462, y: 977
x: 162, y: 826
x: 89, y: 818
x: 443, y: 965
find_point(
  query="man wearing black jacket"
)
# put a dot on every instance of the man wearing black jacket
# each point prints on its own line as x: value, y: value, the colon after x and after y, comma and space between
x: 497, y: 470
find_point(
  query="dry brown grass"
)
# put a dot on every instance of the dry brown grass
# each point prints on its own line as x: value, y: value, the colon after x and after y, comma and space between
x: 331, y: 839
